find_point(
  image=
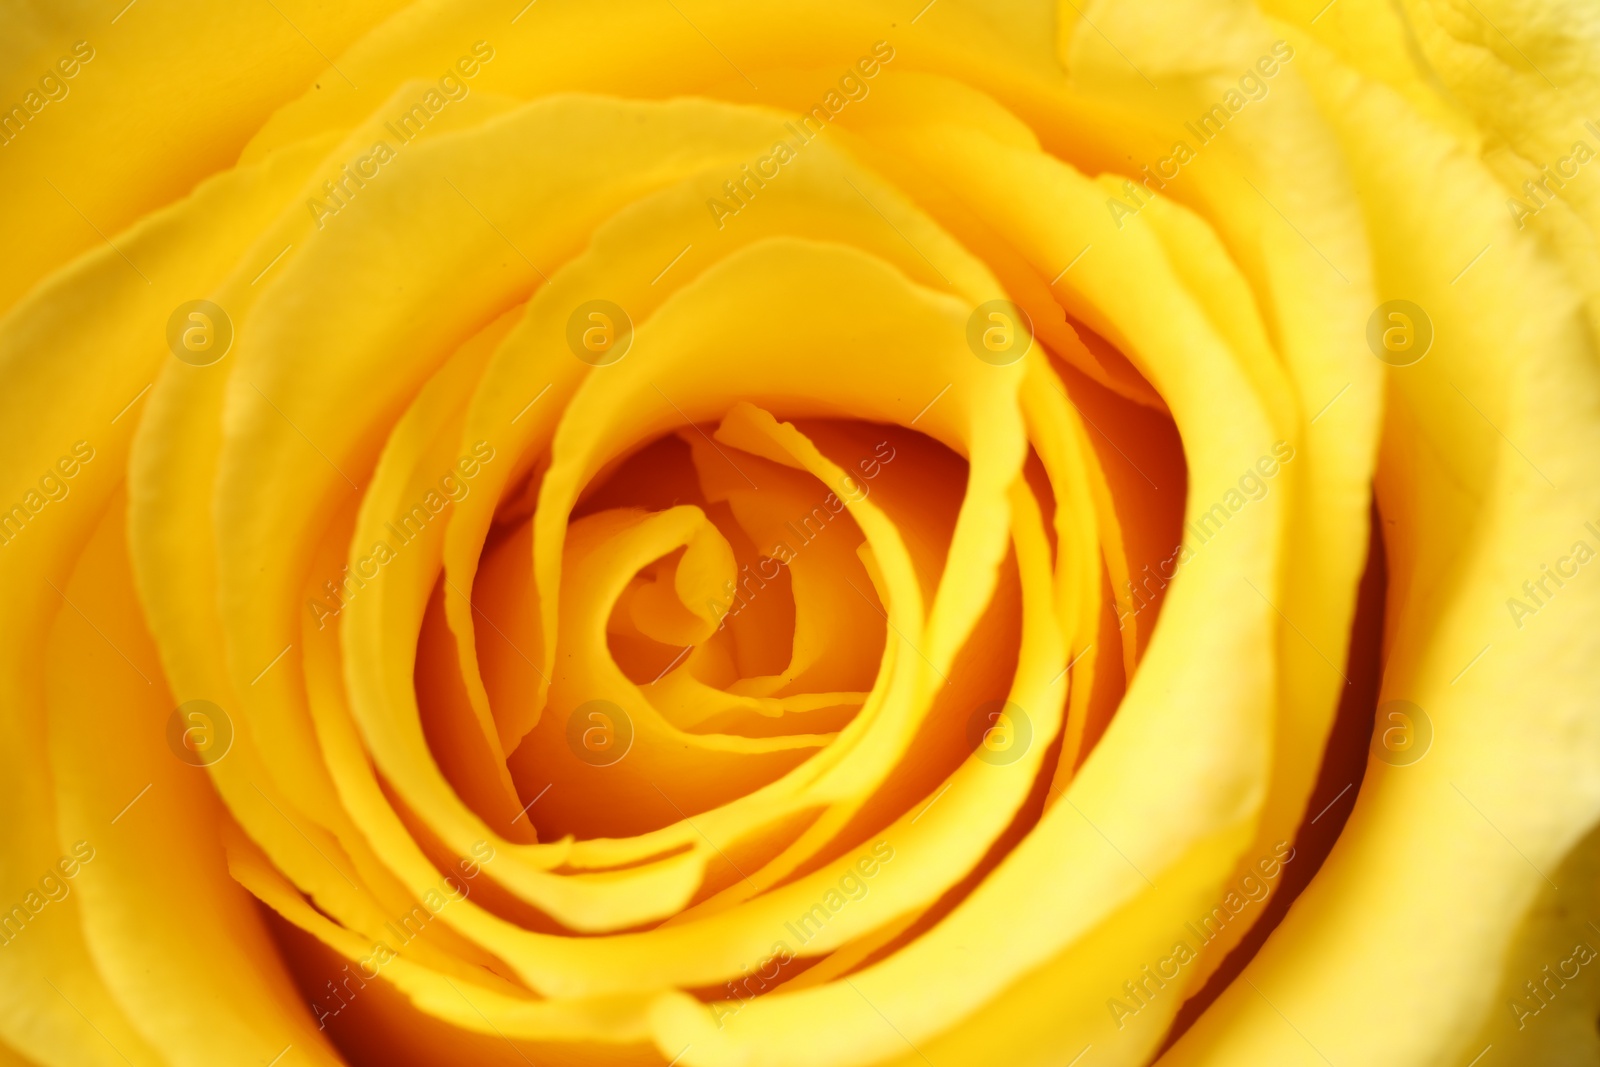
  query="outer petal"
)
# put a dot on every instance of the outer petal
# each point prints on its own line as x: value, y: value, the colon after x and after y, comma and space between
x: 1487, y: 473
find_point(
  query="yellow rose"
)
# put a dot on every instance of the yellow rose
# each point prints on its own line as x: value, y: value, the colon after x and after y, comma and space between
x: 840, y: 534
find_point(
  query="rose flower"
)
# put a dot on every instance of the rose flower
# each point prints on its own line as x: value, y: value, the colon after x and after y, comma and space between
x: 679, y: 532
